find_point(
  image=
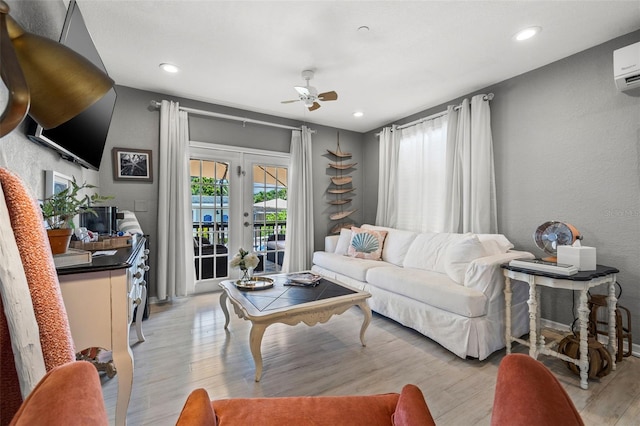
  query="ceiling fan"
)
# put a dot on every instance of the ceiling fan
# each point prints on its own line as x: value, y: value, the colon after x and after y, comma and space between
x: 309, y: 94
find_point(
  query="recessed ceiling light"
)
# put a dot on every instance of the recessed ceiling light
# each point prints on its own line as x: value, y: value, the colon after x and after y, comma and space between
x: 527, y: 33
x: 358, y: 114
x: 170, y: 68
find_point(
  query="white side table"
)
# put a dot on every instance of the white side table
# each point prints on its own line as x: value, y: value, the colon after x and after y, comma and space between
x: 582, y: 282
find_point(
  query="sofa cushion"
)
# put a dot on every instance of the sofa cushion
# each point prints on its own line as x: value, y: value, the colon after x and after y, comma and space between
x: 396, y: 244
x: 429, y: 251
x: 495, y: 243
x: 343, y: 242
x: 366, y: 243
x: 460, y: 253
x: 432, y: 288
x: 345, y: 265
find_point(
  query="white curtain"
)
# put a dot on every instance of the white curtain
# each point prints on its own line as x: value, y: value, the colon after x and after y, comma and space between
x: 389, y: 146
x: 299, y: 242
x: 421, y: 176
x: 470, y: 180
x: 175, y: 274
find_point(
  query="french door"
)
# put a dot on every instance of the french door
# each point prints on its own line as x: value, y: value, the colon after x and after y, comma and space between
x: 239, y: 199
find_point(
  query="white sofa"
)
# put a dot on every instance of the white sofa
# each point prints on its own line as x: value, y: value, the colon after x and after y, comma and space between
x: 449, y: 287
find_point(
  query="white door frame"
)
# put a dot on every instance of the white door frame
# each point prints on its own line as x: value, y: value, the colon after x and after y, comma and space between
x: 241, y: 162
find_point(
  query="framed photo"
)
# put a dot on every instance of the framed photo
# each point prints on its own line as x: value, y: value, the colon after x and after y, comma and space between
x: 55, y: 182
x: 132, y: 164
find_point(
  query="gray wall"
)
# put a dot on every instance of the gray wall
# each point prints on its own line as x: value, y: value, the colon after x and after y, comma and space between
x: 567, y: 147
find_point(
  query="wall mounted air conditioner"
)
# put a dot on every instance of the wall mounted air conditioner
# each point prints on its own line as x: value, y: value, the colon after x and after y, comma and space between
x: 626, y: 67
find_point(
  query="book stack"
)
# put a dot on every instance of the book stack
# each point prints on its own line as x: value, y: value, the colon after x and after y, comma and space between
x: 544, y: 266
x: 72, y: 257
x: 304, y: 279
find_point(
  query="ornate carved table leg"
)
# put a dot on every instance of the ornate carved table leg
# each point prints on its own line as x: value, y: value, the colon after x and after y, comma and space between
x: 611, y: 304
x: 533, y: 311
x: 255, y: 341
x: 225, y: 310
x: 583, y: 314
x: 366, y: 310
x: 507, y: 313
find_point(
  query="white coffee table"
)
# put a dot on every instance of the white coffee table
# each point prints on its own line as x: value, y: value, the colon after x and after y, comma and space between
x: 290, y: 305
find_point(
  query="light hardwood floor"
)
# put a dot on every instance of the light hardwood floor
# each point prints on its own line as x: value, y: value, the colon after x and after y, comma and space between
x: 188, y: 348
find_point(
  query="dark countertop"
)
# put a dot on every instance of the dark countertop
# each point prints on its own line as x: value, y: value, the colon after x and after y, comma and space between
x: 121, y: 260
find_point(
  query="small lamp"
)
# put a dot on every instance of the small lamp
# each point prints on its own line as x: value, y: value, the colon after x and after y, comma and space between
x: 44, y: 78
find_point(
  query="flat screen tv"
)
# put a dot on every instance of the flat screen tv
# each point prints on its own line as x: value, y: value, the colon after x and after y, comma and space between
x: 81, y: 139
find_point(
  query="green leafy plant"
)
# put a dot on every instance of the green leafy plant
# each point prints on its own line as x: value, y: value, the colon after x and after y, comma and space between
x: 60, y: 209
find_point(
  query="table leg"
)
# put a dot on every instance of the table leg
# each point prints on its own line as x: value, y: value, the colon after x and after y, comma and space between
x: 225, y: 310
x: 123, y: 362
x: 255, y: 341
x: 140, y: 312
x: 583, y: 315
x: 533, y: 313
x: 366, y: 310
x: 613, y: 340
x: 507, y: 313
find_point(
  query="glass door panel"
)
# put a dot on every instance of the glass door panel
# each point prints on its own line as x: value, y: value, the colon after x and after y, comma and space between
x: 210, y: 214
x: 268, y: 190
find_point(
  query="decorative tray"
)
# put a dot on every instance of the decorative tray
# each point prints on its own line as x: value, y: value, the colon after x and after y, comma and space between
x: 255, y: 283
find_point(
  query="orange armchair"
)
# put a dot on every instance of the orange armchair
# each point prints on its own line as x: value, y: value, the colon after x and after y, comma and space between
x: 527, y: 393
x: 68, y: 395
x: 406, y: 408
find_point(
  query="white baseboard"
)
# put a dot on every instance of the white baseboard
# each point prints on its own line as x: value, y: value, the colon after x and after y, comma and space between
x: 635, y: 349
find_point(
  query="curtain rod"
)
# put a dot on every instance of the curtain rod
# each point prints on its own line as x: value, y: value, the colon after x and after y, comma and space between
x: 156, y: 104
x: 436, y: 115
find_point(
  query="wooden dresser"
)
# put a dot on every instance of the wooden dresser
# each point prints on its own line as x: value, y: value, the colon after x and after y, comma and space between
x: 100, y: 299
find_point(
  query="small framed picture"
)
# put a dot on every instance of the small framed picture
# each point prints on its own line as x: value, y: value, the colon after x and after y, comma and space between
x: 132, y: 164
x: 55, y: 182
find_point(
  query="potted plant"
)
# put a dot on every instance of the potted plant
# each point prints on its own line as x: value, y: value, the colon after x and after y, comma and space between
x: 59, y: 210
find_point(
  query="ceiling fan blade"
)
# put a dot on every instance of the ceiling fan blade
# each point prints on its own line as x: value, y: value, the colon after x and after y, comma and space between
x: 314, y: 107
x: 290, y: 101
x: 328, y: 96
x: 303, y: 91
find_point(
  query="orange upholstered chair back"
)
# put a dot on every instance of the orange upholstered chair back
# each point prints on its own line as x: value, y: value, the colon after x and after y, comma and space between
x: 40, y: 271
x: 527, y: 393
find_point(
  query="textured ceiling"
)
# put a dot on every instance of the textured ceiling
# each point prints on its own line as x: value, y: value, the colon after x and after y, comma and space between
x: 416, y: 54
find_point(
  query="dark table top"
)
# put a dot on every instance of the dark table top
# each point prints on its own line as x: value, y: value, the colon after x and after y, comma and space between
x: 600, y: 271
x: 123, y: 259
x: 281, y: 296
